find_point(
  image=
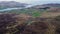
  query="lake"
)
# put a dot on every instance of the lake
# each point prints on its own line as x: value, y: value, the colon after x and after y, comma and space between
x: 7, y: 9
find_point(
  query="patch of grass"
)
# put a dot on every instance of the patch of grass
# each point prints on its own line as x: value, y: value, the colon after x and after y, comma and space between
x: 36, y: 14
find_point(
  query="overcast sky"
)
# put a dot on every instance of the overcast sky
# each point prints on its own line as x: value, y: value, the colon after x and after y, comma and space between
x: 35, y: 1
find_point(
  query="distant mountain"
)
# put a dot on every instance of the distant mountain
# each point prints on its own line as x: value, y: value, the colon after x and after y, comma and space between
x: 52, y: 5
x: 11, y: 4
x: 46, y: 5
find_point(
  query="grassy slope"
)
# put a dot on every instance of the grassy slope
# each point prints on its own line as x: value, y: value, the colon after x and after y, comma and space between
x: 32, y: 12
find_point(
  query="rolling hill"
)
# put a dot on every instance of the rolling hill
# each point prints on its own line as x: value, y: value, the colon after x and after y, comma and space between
x: 39, y: 10
x: 11, y: 4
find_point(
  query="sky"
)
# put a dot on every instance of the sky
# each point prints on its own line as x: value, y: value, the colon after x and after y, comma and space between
x: 35, y: 1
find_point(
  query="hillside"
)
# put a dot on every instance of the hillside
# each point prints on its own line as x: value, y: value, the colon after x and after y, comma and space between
x: 46, y: 6
x: 40, y: 19
x: 11, y: 4
x: 40, y: 10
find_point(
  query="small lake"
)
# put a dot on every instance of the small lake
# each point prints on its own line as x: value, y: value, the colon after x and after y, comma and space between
x: 8, y: 9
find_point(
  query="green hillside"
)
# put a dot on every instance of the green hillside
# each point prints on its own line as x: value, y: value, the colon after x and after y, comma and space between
x: 32, y: 12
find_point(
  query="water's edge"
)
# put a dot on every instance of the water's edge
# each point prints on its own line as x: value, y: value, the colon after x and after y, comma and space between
x: 7, y: 9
